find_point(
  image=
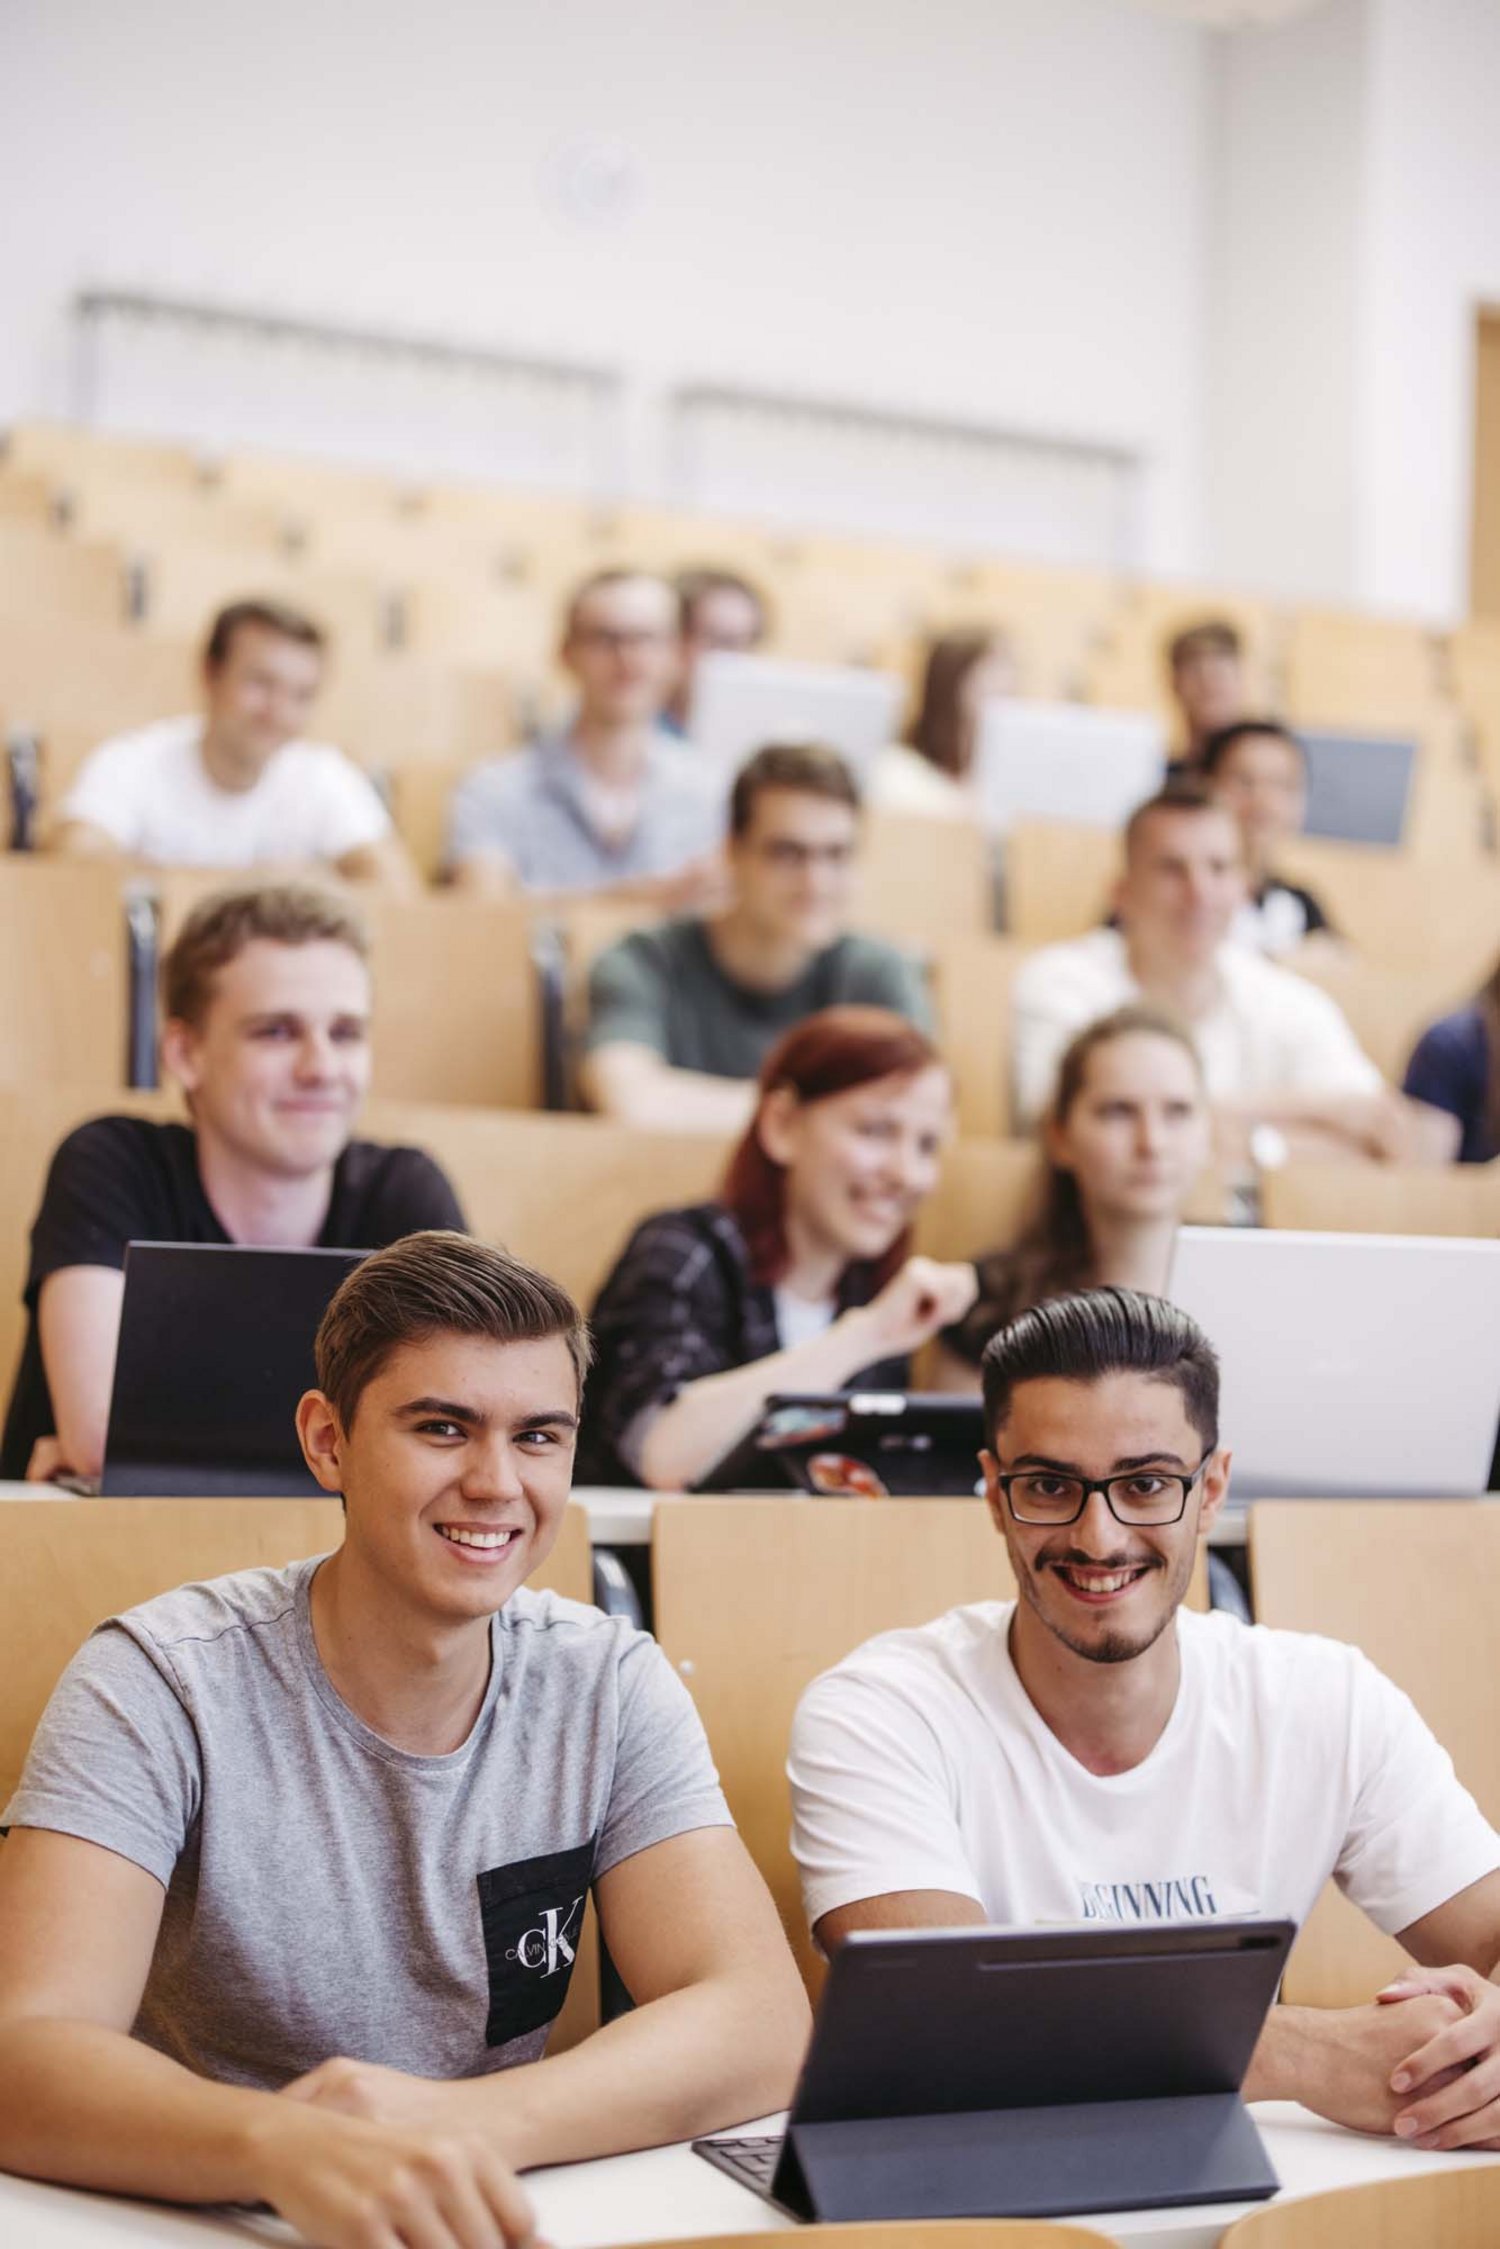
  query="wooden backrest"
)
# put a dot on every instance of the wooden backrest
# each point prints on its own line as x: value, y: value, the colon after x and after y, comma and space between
x: 1059, y: 876
x: 561, y: 1191
x: 64, y: 994
x: 1397, y: 910
x: 1416, y: 1585
x: 972, y: 980
x: 457, y: 998
x: 946, y: 2233
x: 1383, y: 1198
x: 46, y: 570
x: 1456, y: 2209
x: 755, y: 1597
x: 1346, y: 669
x: 1387, y: 1009
x: 922, y: 881
x: 980, y: 1199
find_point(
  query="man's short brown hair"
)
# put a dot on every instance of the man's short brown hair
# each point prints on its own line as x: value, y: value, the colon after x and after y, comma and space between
x: 262, y: 616
x: 812, y: 767
x: 219, y: 928
x: 430, y: 1284
x: 1212, y: 636
x: 600, y: 582
x: 1188, y: 794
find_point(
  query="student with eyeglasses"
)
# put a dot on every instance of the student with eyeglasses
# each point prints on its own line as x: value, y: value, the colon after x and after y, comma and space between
x: 681, y: 1017
x: 1092, y: 1751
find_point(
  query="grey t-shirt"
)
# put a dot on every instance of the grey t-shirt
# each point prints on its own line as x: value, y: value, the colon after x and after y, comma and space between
x: 533, y: 806
x: 664, y: 989
x: 328, y: 1893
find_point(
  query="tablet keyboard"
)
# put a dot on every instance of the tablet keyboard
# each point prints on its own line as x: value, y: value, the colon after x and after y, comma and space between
x: 750, y: 2160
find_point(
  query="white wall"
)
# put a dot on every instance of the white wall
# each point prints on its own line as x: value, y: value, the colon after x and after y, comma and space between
x: 1433, y: 257
x: 1288, y: 234
x: 989, y: 209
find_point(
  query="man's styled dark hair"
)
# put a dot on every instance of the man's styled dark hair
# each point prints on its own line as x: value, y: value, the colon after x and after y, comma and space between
x: 1082, y: 1338
x: 262, y: 616
x: 1218, y: 745
x: 1212, y: 636
x: 1186, y: 793
x: 812, y: 767
x: 436, y: 1283
x: 220, y: 927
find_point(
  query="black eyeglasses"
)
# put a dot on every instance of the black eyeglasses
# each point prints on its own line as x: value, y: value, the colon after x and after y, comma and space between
x: 1145, y: 1499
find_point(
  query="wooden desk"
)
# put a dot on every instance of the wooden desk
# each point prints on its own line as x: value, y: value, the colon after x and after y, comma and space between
x: 670, y: 2194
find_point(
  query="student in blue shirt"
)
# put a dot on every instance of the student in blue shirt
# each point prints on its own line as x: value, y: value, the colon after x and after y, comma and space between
x: 1455, y: 1066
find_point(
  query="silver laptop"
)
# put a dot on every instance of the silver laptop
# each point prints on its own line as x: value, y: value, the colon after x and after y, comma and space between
x: 742, y: 702
x: 1358, y: 786
x: 1354, y: 1365
x: 1063, y: 761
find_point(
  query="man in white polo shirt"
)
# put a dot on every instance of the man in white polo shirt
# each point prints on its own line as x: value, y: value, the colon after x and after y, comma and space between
x: 237, y: 785
x: 1093, y: 1752
x: 1277, y: 1052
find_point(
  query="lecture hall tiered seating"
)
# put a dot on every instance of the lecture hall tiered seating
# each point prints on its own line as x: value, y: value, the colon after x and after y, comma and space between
x: 442, y: 605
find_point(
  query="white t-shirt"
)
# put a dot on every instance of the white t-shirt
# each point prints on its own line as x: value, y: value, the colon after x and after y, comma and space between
x: 150, y: 793
x: 1271, y: 1032
x: 920, y: 1763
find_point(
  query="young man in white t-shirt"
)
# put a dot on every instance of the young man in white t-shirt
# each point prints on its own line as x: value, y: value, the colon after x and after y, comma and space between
x: 1277, y: 1052
x: 237, y: 786
x: 1092, y: 1752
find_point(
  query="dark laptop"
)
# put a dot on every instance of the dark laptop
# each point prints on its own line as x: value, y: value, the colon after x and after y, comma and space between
x: 215, y: 1350
x: 988, y: 2073
x: 865, y: 1444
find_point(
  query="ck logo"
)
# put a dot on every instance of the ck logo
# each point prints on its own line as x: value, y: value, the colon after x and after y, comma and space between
x: 532, y: 1916
x: 550, y: 1945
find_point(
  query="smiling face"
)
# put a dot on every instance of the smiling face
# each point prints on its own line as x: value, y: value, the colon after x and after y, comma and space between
x: 858, y: 1164
x: 278, y: 1064
x: 455, y: 1471
x: 1136, y: 1135
x: 1101, y: 1589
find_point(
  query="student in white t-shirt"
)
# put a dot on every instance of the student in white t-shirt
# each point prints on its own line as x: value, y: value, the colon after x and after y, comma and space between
x: 1092, y: 1752
x: 1276, y: 1049
x: 237, y: 786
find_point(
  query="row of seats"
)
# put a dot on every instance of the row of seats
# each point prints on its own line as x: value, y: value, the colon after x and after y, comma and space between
x: 445, y: 1034
x: 845, y: 1571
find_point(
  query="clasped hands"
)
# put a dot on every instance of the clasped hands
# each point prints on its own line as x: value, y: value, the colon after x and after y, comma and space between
x: 1422, y: 2061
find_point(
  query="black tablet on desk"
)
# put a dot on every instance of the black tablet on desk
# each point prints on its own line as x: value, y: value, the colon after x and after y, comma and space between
x: 216, y: 1347
x: 985, y: 2073
x: 860, y: 1444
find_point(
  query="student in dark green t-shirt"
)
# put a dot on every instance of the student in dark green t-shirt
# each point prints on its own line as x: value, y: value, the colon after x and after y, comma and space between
x: 681, y: 1016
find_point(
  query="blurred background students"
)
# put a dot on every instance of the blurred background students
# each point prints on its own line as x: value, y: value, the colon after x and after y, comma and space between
x: 799, y: 1276
x: 266, y: 1000
x: 1259, y: 769
x: 237, y: 785
x: 1455, y: 1068
x: 681, y: 1017
x: 718, y: 613
x: 612, y: 802
x: 1206, y: 675
x: 1124, y: 1143
x: 1276, y: 1050
x: 933, y: 772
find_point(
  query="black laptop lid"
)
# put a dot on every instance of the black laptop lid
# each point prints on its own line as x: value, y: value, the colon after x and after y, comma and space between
x: 933, y: 2022
x: 215, y: 1350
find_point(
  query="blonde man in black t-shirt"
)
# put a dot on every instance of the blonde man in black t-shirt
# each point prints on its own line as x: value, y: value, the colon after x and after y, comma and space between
x: 266, y: 1006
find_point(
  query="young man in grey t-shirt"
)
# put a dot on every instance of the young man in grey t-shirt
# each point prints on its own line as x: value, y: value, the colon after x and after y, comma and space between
x: 297, y: 1864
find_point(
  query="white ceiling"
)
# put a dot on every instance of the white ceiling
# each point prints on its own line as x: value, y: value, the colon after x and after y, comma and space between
x: 1230, y: 15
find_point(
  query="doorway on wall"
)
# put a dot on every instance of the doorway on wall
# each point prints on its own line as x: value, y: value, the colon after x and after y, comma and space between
x: 1484, y: 551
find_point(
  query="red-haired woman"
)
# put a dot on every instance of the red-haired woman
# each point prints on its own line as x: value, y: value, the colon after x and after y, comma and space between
x: 798, y: 1277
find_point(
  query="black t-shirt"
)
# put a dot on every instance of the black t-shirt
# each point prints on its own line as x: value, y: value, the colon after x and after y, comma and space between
x: 125, y: 1179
